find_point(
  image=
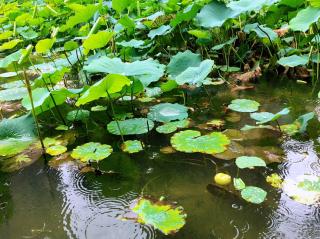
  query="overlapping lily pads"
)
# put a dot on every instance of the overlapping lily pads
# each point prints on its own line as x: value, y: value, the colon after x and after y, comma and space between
x: 191, y: 141
x: 171, y: 127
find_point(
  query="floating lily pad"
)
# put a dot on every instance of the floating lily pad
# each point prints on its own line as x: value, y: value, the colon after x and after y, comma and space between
x: 250, y: 162
x: 91, y: 152
x: 191, y: 141
x: 167, y: 112
x: 253, y: 194
x: 238, y: 184
x: 265, y: 117
x: 132, y: 146
x: 164, y: 217
x: 171, y: 127
x: 56, y: 150
x: 304, y: 189
x: 130, y: 126
x: 244, y: 105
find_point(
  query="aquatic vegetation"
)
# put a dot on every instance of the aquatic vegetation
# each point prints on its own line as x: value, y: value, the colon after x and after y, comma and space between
x: 130, y: 126
x: 266, y: 117
x: 275, y: 180
x: 244, y: 105
x: 253, y: 194
x: 250, y: 162
x: 167, y: 112
x: 164, y: 217
x: 222, y: 179
x: 171, y: 127
x: 132, y: 146
x: 191, y: 141
x: 91, y: 152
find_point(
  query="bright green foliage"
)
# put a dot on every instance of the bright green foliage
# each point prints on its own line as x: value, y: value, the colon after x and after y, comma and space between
x: 191, y: 141
x: 10, y: 44
x: 96, y: 41
x: 261, y: 31
x: 130, y: 126
x: 146, y: 71
x: 56, y: 150
x: 16, y: 135
x: 78, y: 115
x: 238, y: 184
x: 45, y: 45
x: 13, y: 94
x: 121, y: 5
x: 186, y: 15
x: 293, y: 61
x: 265, y: 117
x: 91, y: 152
x: 171, y: 127
x: 254, y: 194
x: 132, y: 146
x: 5, y: 62
x: 250, y: 162
x: 304, y: 19
x: 112, y: 83
x: 70, y: 45
x: 51, y: 78
x: 244, y: 105
x: 167, y: 112
x: 132, y: 43
x: 160, y: 215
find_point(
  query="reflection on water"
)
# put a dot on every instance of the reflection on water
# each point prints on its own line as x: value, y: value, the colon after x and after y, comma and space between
x: 63, y: 203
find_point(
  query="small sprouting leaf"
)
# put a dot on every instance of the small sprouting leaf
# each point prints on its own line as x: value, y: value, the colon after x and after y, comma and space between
x: 250, y: 162
x: 132, y: 146
x: 238, y: 184
x: 253, y: 194
x: 244, y: 105
x: 91, y: 152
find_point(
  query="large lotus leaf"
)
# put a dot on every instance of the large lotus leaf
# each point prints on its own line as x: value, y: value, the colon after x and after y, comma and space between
x: 16, y: 135
x: 50, y: 78
x: 195, y: 75
x: 112, y: 83
x: 146, y: 71
x: 130, y: 126
x: 215, y: 14
x: 304, y: 19
x: 265, y: 117
x: 161, y: 31
x: 56, y: 150
x: 253, y: 194
x: 164, y: 217
x: 186, y: 14
x: 293, y: 61
x: 91, y: 152
x: 250, y: 162
x: 244, y: 105
x: 96, y: 41
x: 45, y: 45
x: 261, y: 31
x: 171, y: 127
x: 132, y: 146
x: 82, y: 14
x: 42, y: 99
x: 13, y: 94
x: 304, y: 189
x: 10, y: 44
x: 167, y: 112
x: 181, y: 61
x: 191, y: 141
x: 243, y: 6
x: 5, y: 62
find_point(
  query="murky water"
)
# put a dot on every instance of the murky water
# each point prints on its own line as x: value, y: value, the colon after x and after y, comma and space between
x: 44, y: 202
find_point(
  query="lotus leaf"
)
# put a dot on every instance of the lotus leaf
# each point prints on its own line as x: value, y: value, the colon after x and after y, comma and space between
x: 304, y: 19
x: 56, y: 150
x: 45, y: 45
x: 164, y: 217
x: 78, y: 115
x: 250, y: 162
x: 265, y: 117
x: 10, y: 44
x: 91, y: 152
x: 13, y: 57
x: 238, y: 184
x: 167, y: 112
x: 293, y: 61
x: 171, y: 127
x: 253, y: 194
x: 161, y: 31
x: 130, y: 126
x: 132, y: 146
x: 13, y: 94
x: 244, y: 105
x: 191, y: 141
x: 96, y: 41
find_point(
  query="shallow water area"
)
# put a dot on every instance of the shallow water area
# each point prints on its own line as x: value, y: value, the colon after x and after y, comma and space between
x: 44, y: 202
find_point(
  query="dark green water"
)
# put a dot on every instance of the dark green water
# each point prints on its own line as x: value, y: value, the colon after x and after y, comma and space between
x: 43, y: 202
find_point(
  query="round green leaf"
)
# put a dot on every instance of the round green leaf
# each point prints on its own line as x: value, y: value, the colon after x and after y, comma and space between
x: 253, y: 194
x: 191, y: 141
x: 171, y: 127
x: 56, y: 150
x: 130, y: 126
x: 78, y: 115
x: 250, y: 162
x: 91, y: 152
x: 167, y: 112
x: 238, y: 183
x: 244, y: 105
x: 164, y: 217
x: 132, y: 146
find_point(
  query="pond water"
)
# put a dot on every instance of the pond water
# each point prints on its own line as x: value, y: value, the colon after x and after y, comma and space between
x: 40, y: 201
